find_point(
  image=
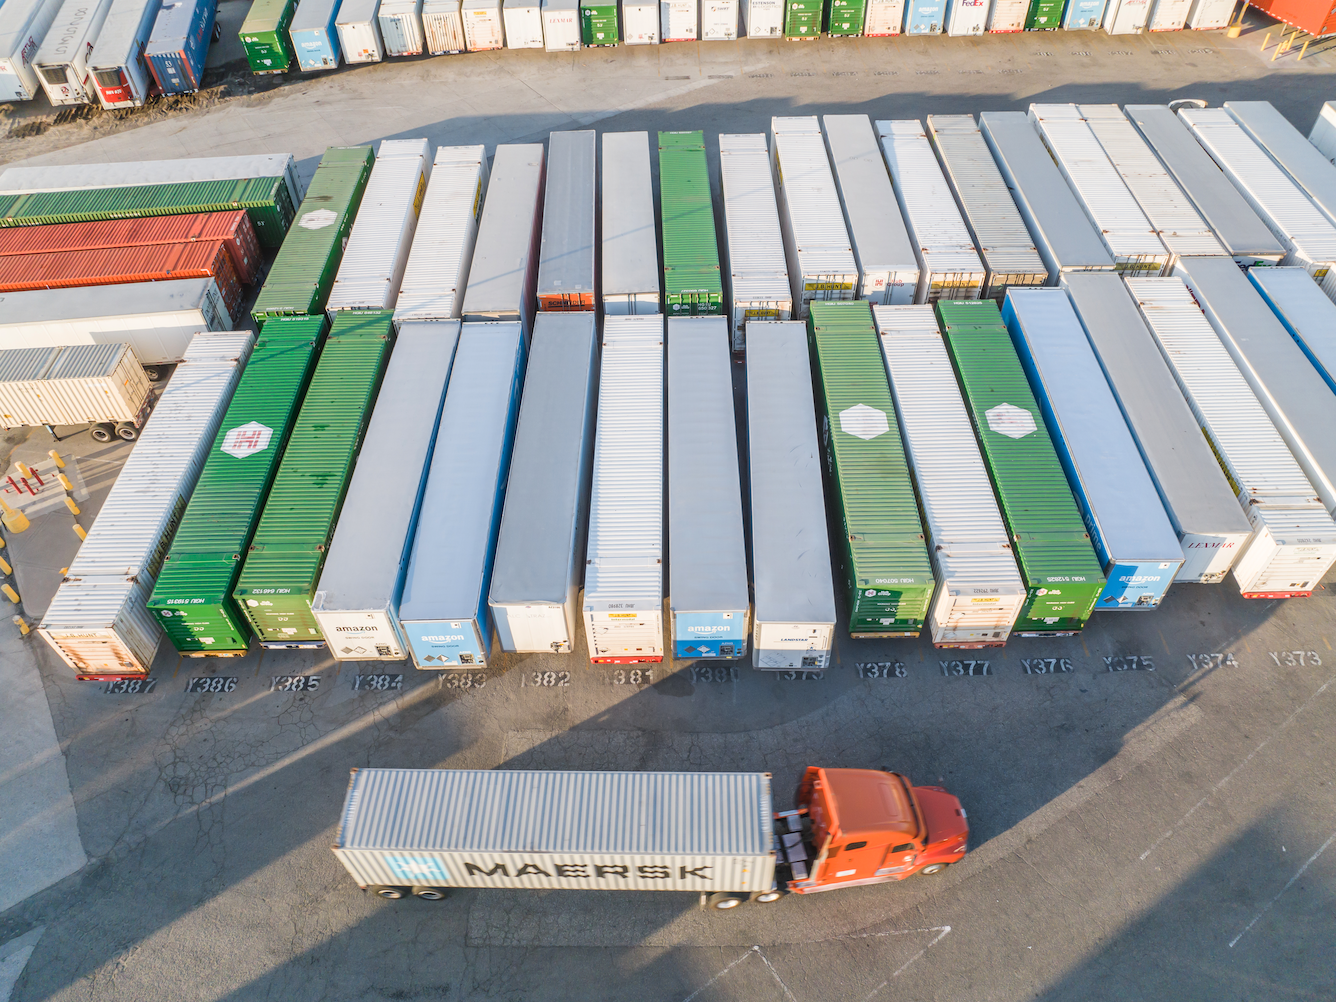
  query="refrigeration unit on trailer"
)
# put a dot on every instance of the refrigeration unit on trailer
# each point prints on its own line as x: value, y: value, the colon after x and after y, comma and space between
x: 443, y: 613
x: 438, y: 262
x: 561, y: 25
x: 816, y: 241
x: 1169, y: 15
x: 179, y: 44
x: 523, y: 23
x: 1201, y: 506
x: 631, y: 278
x: 401, y: 29
x: 99, y: 385
x: 1126, y: 17
x: 484, y: 28
x: 356, y: 603
x: 623, y: 593
x: 640, y: 23
x: 503, y: 277
x: 1307, y: 314
x: 1100, y: 190
x: 1238, y: 227
x: 443, y: 26
x: 540, y: 549
x: 315, y: 34
x: 358, y: 25
x: 1298, y: 158
x: 765, y: 18
x: 949, y: 264
x: 709, y: 605
x: 1205, y: 15
x: 97, y: 622
x: 1294, y: 539
x: 1122, y: 509
x: 1084, y: 15
x: 979, y: 591
x: 373, y: 263
x: 888, y: 579
x: 1062, y: 575
x: 566, y: 265
x: 758, y: 276
x: 679, y: 20
x: 23, y: 27
x: 192, y: 599
x: 794, y: 596
x: 888, y: 270
x: 1062, y: 234
x: 1323, y: 135
x: 994, y: 224
x: 264, y: 35
x: 925, y: 17
x: 1008, y: 15
x: 691, y: 278
x: 719, y: 19
x: 967, y: 17
x: 62, y: 59
x: 1044, y: 15
x: 120, y: 71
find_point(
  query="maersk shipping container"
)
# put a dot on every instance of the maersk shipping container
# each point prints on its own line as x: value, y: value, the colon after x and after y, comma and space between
x: 949, y: 264
x: 120, y: 72
x: 888, y: 579
x: 1294, y: 538
x: 377, y: 253
x: 1307, y: 314
x: 62, y: 58
x: 265, y: 38
x: 623, y: 594
x: 1044, y: 15
x: 282, y: 564
x: 540, y: 550
x: 888, y: 270
x: 995, y: 226
x: 632, y: 280
x: 1323, y: 135
x: 640, y: 23
x: 884, y: 18
x: 23, y: 26
x: 358, y: 24
x: 1201, y: 506
x: 925, y: 17
x: 179, y: 44
x: 1169, y: 15
x: 523, y: 23
x: 679, y: 20
x: 753, y: 246
x: 356, y: 603
x: 401, y: 26
x: 561, y: 25
x: 1126, y: 17
x: 708, y: 605
x: 794, y: 592
x: 967, y: 17
x: 1122, y: 509
x: 443, y: 613
x: 192, y: 600
x: 1285, y: 144
x: 598, y: 23
x: 503, y: 277
x: 1062, y: 575
x: 816, y: 241
x: 438, y: 262
x: 1062, y: 234
x: 691, y: 277
x: 1206, y: 15
x: 1009, y: 15
x: 484, y: 28
x: 566, y: 266
x: 443, y: 26
x: 719, y: 19
x: 79, y: 384
x: 315, y: 34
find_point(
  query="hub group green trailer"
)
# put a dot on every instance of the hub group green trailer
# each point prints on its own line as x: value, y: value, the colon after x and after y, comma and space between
x: 304, y: 271
x: 264, y: 35
x: 802, y: 19
x: 598, y: 24
x: 888, y: 576
x: 691, y: 275
x: 192, y: 599
x: 1062, y: 574
x: 846, y: 18
x: 1044, y: 15
x: 283, y: 564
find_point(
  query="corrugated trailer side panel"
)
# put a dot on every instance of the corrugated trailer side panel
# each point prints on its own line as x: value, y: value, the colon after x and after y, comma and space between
x: 78, y: 384
x: 443, y: 23
x: 566, y: 265
x: 1323, y: 135
x: 264, y: 36
x: 632, y: 279
x: 1299, y: 158
x: 139, y: 173
x: 691, y: 277
x: 503, y: 277
x: 1307, y: 314
x: 401, y: 27
x: 754, y: 247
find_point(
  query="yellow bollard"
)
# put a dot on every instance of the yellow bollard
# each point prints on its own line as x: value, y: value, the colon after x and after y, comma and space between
x: 10, y: 593
x: 23, y: 626
x: 79, y: 531
x: 1265, y: 38
x: 55, y: 458
x: 1303, y: 50
x: 24, y: 469
x: 74, y: 508
x: 14, y: 521
x: 65, y: 482
x: 1278, y: 48
x: 4, y: 566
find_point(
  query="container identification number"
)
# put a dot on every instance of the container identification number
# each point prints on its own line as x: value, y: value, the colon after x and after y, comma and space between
x: 294, y: 683
x: 545, y: 679
x: 377, y: 683
x: 882, y: 669
x: 972, y: 668
x: 1045, y: 666
x: 212, y: 683
x: 130, y: 686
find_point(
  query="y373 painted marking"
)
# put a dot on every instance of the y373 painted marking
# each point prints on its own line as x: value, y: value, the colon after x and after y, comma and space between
x: 1296, y: 659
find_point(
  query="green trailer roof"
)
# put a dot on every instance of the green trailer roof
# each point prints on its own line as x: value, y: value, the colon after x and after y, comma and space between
x: 690, y: 246
x: 265, y: 38
x: 303, y: 273
x: 193, y: 594
x: 888, y: 574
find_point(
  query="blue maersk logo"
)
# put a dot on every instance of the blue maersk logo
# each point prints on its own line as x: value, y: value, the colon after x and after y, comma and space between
x: 417, y: 869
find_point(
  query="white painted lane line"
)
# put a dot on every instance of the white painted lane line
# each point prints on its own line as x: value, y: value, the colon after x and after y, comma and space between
x: 944, y: 929
x: 771, y: 967
x: 1288, y: 885
x: 754, y: 949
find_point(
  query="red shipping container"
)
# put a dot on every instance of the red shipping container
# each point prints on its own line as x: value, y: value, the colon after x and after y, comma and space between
x: 567, y: 302
x: 234, y: 227
x: 1317, y: 17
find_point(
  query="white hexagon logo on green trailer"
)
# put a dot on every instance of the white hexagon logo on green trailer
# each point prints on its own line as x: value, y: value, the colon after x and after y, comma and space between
x: 247, y: 439
x: 1010, y: 420
x: 863, y: 422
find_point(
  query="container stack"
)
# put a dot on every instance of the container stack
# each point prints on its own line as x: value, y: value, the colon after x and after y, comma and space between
x: 691, y: 277
x: 503, y: 277
x: 631, y: 278
x: 566, y: 265
x: 754, y: 247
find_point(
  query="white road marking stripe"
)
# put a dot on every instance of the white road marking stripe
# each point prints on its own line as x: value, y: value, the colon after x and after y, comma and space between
x: 1287, y: 886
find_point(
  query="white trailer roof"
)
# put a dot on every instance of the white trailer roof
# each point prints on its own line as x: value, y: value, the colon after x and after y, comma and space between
x: 880, y: 238
x: 1299, y: 158
x: 566, y: 258
x: 925, y: 198
x: 808, y: 187
x: 755, y: 244
x: 1305, y: 311
x: 120, y: 32
x: 73, y: 177
x: 630, y: 228
x: 503, y: 275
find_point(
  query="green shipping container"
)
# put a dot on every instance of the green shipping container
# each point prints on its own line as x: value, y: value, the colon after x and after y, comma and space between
x: 846, y: 18
x: 264, y: 35
x: 690, y: 247
x: 1044, y: 15
x: 598, y: 24
x: 303, y: 273
x: 283, y: 565
x: 887, y: 571
x: 265, y: 199
x: 193, y: 597
x: 802, y: 18
x: 1054, y: 552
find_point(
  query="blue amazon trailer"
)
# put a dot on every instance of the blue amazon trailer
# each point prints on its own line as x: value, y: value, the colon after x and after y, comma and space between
x: 315, y: 36
x: 925, y: 17
x: 179, y: 44
x: 1122, y: 509
x: 443, y: 613
x: 1083, y: 15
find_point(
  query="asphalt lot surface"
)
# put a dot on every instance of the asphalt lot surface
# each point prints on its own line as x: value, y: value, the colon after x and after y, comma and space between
x: 1156, y: 822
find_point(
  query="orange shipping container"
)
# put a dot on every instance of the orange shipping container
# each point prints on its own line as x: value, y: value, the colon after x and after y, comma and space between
x: 1317, y: 17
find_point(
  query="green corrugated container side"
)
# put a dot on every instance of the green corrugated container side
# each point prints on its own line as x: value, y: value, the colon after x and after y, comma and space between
x: 846, y: 18
x: 264, y: 35
x: 691, y: 276
x: 887, y: 571
x: 283, y: 564
x: 265, y: 199
x: 598, y: 24
x: 802, y: 18
x: 193, y: 595
x: 1056, y: 558
x: 304, y: 271
x: 1044, y: 15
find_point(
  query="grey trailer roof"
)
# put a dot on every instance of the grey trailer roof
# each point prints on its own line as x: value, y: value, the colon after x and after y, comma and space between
x: 790, y: 546
x: 448, y: 566
x: 547, y: 495
x: 91, y: 301
x: 630, y: 230
x: 20, y: 364
x: 707, y: 555
x: 371, y: 541
x: 1295, y: 396
x: 1063, y: 235
x: 880, y: 237
x: 357, y: 11
x: 312, y: 14
x: 566, y: 261
x: 550, y: 811
x: 1299, y: 158
x: 500, y: 277
x: 1305, y: 310
x: 1196, y: 495
x: 1239, y: 228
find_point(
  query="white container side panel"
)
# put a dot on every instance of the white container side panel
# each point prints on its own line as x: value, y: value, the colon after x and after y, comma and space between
x: 882, y: 18
x: 718, y: 20
x: 888, y: 269
x: 103, y: 626
x: 1323, y: 136
x: 1306, y: 312
x: 640, y: 23
x: 1292, y: 550
x: 373, y: 264
x: 967, y: 17
x: 484, y: 28
x: 566, y: 262
x: 1169, y: 15
x: 67, y: 47
x: 758, y: 274
x: 73, y: 177
x: 765, y: 18
x: 1299, y: 158
x: 437, y: 269
x: 504, y: 273
x: 359, y: 32
x: 561, y: 25
x: 523, y: 24
x: 401, y: 26
x: 679, y: 20
x: 761, y: 299
x: 72, y: 385
x: 443, y: 25
x: 1126, y: 17
x: 23, y: 25
x: 630, y: 259
x: 1008, y: 15
x: 1207, y: 15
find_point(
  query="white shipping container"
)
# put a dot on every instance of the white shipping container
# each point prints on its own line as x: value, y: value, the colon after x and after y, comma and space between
x: 401, y: 26
x: 1008, y: 15
x: 816, y: 241
x: 1285, y: 144
x: 561, y: 25
x: 443, y: 23
x: 523, y: 23
x: 678, y: 20
x: 484, y: 28
x: 765, y: 18
x: 121, y: 75
x: 888, y: 269
x: 1307, y: 314
x: 753, y: 245
x: 566, y: 265
x: 62, y: 59
x: 78, y: 384
x: 358, y: 26
x: 967, y: 17
x: 23, y: 25
x: 1169, y: 15
x: 1126, y: 17
x: 377, y: 251
x: 718, y: 20
x: 1206, y: 15
x: 102, y: 627
x: 1323, y: 135
x: 623, y: 596
x: 504, y: 274
x: 632, y: 280
x: 949, y: 264
x: 640, y: 23
x: 81, y: 177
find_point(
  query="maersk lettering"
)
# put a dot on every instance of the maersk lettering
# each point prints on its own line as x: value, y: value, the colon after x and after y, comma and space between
x: 601, y: 871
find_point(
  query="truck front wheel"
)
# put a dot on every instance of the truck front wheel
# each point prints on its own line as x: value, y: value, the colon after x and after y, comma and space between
x: 721, y: 901
x: 932, y: 868
x: 389, y: 893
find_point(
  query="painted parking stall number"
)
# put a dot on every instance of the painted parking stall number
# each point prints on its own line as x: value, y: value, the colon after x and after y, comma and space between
x: 1200, y: 661
x: 212, y: 683
x: 294, y: 683
x: 545, y: 679
x: 639, y: 676
x: 462, y: 680
x: 970, y: 668
x: 1296, y: 659
x: 1130, y: 662
x: 1046, y: 666
x: 130, y: 686
x: 801, y: 676
x: 881, y: 669
x: 377, y: 683
x: 714, y: 673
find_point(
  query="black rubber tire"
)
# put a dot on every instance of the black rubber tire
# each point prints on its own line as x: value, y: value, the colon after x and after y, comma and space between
x: 722, y: 901
x: 390, y: 893
x: 153, y: 372
x: 126, y: 432
x: 102, y: 432
x: 429, y: 893
x: 933, y: 868
x: 768, y: 897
